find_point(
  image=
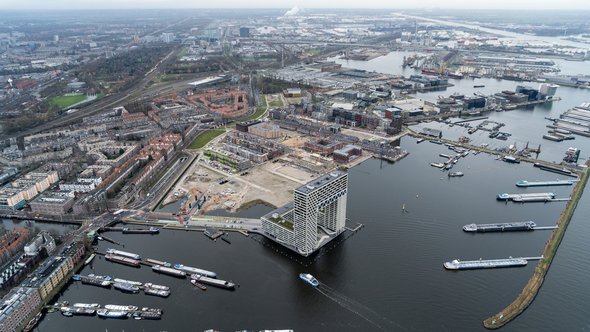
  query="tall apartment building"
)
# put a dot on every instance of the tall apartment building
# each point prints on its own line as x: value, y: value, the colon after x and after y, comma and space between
x: 316, y: 215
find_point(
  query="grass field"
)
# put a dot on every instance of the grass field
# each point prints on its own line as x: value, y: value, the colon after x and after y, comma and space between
x: 205, y: 138
x: 66, y: 101
x: 276, y: 103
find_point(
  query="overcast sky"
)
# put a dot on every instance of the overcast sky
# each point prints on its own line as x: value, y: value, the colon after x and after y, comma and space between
x: 127, y: 4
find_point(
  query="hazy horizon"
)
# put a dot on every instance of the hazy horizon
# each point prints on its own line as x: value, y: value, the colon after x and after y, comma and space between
x: 286, y: 4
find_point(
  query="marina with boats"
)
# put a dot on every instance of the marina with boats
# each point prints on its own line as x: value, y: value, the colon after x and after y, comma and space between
x: 115, y: 311
x: 127, y: 286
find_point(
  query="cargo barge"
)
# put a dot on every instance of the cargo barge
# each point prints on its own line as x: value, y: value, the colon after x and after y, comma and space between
x: 88, y: 280
x: 77, y: 311
x: 127, y: 288
x: 525, y: 183
x: 151, y: 230
x: 194, y: 270
x: 213, y: 282
x: 501, y: 227
x: 122, y: 260
x: 156, y: 292
x: 123, y: 253
x: 169, y: 271
x: 532, y: 197
x: 563, y: 171
x: 457, y: 264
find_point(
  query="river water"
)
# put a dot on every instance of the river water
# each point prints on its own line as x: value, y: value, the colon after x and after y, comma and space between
x: 388, y: 276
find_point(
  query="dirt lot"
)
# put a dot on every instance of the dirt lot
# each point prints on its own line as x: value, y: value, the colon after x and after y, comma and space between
x: 272, y: 183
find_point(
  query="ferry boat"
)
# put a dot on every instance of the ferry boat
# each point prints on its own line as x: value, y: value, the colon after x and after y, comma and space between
x: 33, y: 322
x: 308, y: 278
x: 194, y: 270
x: 213, y: 282
x: 119, y: 307
x: 135, y: 283
x: 154, y: 286
x: 169, y: 271
x: 126, y: 287
x: 89, y: 259
x: 198, y: 285
x: 122, y: 260
x: 107, y: 313
x: 485, y: 264
x: 501, y: 227
x: 156, y: 292
x: 123, y: 253
x: 86, y: 305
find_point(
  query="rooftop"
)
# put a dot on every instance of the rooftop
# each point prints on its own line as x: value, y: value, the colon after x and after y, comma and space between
x: 321, y: 181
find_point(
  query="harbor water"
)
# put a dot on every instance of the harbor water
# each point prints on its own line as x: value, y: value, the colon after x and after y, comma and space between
x: 527, y: 125
x: 388, y: 276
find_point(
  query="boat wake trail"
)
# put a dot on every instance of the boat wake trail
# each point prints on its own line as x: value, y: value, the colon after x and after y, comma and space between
x: 359, y: 309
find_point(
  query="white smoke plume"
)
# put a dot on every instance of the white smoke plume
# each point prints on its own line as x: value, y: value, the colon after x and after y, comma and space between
x: 292, y: 12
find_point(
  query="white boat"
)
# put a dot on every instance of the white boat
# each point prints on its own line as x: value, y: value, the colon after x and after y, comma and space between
x: 106, y: 313
x: 135, y: 283
x: 154, y: 286
x: 156, y: 292
x: 194, y: 270
x: 121, y: 307
x: 86, y: 305
x: 123, y: 253
x: 89, y: 259
x: 308, y: 278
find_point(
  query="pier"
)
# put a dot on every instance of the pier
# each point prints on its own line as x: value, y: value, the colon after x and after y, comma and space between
x: 528, y: 294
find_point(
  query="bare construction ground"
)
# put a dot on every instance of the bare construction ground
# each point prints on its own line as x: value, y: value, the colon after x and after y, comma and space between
x: 272, y: 183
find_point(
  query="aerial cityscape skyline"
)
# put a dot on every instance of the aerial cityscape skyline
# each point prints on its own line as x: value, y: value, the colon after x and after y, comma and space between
x: 287, y: 4
x: 294, y: 168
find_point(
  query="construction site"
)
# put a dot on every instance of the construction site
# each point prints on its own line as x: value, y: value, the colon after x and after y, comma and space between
x: 274, y: 168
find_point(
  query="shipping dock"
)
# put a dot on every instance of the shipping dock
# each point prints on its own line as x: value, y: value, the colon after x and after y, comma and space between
x: 525, y: 183
x: 457, y: 264
x: 501, y: 227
